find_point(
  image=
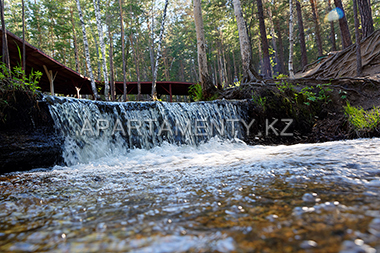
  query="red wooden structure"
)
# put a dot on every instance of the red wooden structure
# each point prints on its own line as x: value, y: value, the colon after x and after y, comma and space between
x: 66, y: 80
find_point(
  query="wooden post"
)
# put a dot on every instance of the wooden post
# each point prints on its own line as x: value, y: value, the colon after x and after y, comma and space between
x: 51, y: 78
x: 78, y: 89
x: 170, y: 93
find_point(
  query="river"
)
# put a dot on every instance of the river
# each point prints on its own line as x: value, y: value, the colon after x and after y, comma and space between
x: 217, y: 196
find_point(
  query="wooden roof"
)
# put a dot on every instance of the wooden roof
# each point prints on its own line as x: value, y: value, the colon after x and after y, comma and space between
x: 67, y: 79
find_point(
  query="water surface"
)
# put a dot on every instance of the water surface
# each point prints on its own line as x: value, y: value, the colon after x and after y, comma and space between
x: 221, y: 196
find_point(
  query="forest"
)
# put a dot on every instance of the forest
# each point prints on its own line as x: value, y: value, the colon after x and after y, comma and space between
x: 57, y: 28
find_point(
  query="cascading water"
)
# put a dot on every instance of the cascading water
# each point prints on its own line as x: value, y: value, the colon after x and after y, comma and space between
x: 97, y: 129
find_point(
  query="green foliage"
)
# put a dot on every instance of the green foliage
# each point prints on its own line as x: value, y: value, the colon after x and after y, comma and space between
x: 284, y: 85
x: 308, y: 94
x: 18, y: 80
x: 361, y: 119
x: 15, y: 80
x: 260, y: 101
x: 196, y: 93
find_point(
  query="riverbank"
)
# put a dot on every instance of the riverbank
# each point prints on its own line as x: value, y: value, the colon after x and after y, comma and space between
x: 317, y: 109
x: 27, y: 136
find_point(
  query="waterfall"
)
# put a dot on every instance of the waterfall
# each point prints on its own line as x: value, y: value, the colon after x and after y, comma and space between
x: 94, y: 129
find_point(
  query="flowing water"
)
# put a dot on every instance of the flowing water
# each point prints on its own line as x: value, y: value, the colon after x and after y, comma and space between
x: 190, y: 193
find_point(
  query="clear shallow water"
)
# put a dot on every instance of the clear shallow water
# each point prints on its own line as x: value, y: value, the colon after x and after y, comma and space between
x: 221, y: 196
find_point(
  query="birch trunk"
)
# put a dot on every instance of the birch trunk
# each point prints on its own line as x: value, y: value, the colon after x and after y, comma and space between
x: 249, y: 74
x: 123, y: 51
x: 102, y: 47
x: 87, y: 53
x: 291, y: 71
x: 154, y: 92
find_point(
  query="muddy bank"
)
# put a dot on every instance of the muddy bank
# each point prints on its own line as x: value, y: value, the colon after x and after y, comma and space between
x: 27, y: 136
x: 306, y: 111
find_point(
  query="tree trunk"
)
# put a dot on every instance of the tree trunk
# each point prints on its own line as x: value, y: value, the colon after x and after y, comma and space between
x: 264, y: 41
x: 317, y: 28
x: 358, y: 53
x: 281, y: 58
x: 302, y: 34
x: 75, y: 41
x: 154, y: 92
x: 38, y: 25
x: 344, y: 30
x: 123, y: 51
x: 291, y: 71
x: 366, y: 17
x: 208, y: 89
x: 182, y: 73
x: 137, y: 65
x: 87, y: 53
x: 249, y: 74
x: 97, y: 53
x: 332, y: 29
x: 102, y: 47
x: 112, y: 79
x: 276, y: 68
x: 23, y: 37
x: 151, y: 44
x: 5, y: 55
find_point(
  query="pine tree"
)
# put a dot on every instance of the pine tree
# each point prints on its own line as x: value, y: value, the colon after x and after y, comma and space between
x: 264, y: 42
x: 249, y: 74
x: 344, y: 30
x: 301, y: 35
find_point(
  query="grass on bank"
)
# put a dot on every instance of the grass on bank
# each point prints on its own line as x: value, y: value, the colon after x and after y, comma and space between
x: 361, y: 119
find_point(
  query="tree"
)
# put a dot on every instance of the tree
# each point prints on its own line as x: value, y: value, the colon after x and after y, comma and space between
x: 102, y: 47
x: 75, y: 40
x: 23, y: 37
x: 249, y: 74
x: 301, y: 35
x: 87, y: 53
x: 123, y: 51
x: 365, y: 17
x: 358, y: 53
x: 332, y: 29
x: 344, y: 30
x: 5, y: 55
x: 276, y: 68
x: 291, y: 71
x: 154, y: 92
x: 318, y: 39
x: 208, y: 89
x: 264, y: 42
